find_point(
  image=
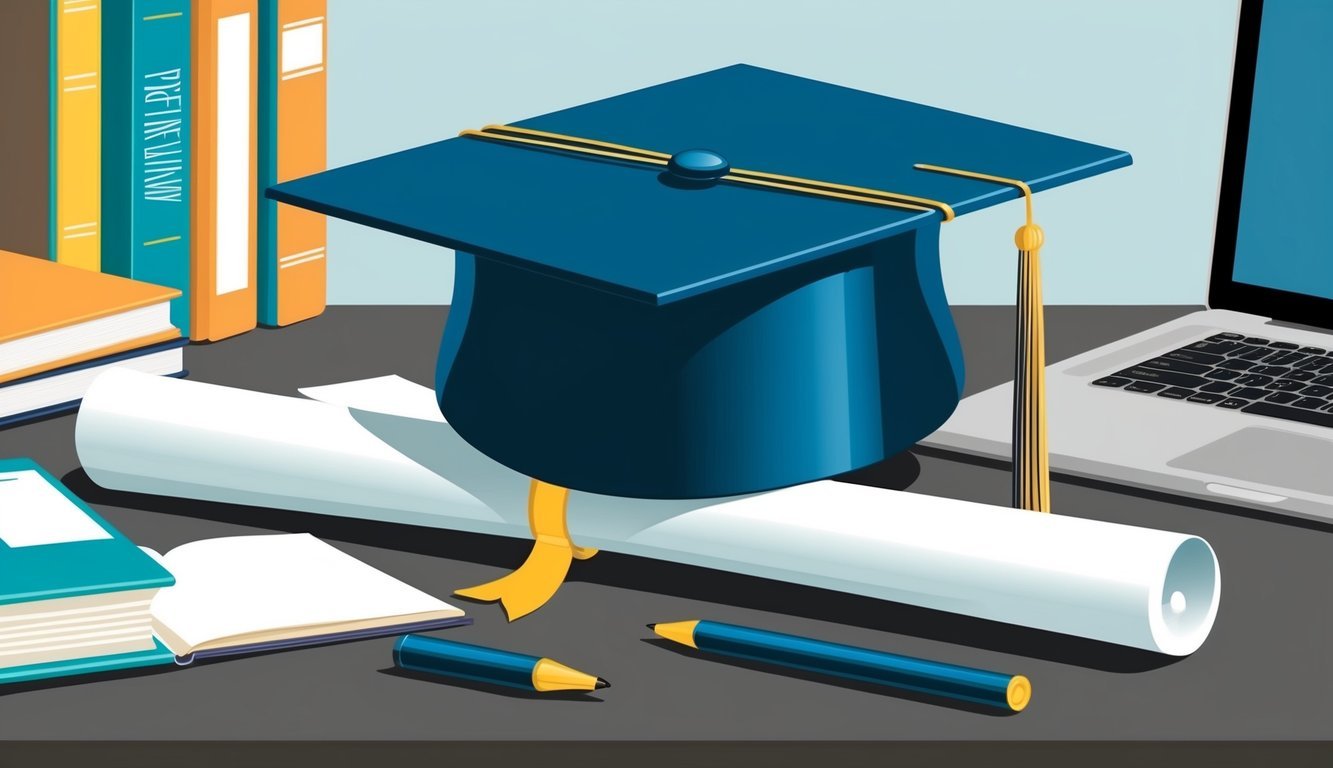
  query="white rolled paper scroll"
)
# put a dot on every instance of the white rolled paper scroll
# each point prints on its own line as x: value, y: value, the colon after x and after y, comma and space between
x: 378, y: 449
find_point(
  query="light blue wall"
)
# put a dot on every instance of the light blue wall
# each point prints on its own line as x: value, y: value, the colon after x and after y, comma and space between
x: 1148, y: 76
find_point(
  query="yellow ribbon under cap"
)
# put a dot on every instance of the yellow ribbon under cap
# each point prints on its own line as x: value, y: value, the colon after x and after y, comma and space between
x: 537, y: 580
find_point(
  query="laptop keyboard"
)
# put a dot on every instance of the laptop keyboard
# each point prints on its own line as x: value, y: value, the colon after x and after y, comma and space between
x: 1236, y: 372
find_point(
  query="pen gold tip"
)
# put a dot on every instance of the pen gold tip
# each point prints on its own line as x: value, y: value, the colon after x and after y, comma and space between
x: 651, y: 626
x: 601, y: 683
x: 549, y: 675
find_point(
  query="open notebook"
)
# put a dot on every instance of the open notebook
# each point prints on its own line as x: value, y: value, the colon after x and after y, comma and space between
x: 244, y: 594
x: 232, y: 596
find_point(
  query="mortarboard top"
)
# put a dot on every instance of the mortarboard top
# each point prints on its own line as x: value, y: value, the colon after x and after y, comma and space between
x: 700, y: 338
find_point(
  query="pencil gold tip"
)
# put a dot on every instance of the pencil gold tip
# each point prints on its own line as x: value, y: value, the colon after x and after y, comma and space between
x: 679, y: 631
x: 550, y: 675
x: 651, y: 626
x: 601, y: 683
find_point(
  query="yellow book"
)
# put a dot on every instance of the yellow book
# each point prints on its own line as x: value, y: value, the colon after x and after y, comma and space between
x: 77, y: 160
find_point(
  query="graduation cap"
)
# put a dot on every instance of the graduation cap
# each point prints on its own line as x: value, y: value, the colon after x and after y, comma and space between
x: 723, y: 284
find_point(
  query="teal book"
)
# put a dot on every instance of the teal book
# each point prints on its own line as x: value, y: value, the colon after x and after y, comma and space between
x: 74, y: 592
x: 146, y: 145
x: 156, y: 656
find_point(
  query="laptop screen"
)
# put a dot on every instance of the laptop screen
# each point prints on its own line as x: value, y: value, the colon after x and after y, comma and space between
x: 1284, y: 235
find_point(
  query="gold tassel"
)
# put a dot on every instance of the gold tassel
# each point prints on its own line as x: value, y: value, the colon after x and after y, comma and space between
x: 1032, y: 466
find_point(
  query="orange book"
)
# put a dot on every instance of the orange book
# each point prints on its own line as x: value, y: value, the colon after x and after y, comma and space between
x: 53, y: 315
x: 293, y: 66
x: 222, y: 218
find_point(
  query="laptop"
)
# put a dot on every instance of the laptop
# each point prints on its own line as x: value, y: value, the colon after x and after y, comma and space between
x: 1232, y: 404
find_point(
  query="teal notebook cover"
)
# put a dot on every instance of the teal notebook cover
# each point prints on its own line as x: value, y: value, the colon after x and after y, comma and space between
x: 146, y: 145
x: 68, y: 568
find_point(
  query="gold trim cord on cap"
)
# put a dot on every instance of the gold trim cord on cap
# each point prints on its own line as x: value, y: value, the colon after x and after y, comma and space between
x: 830, y: 189
x: 1032, y: 468
x: 568, y: 143
x: 615, y: 151
x: 536, y: 581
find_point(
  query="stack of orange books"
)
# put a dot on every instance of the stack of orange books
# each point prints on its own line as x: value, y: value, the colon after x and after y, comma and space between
x: 60, y: 326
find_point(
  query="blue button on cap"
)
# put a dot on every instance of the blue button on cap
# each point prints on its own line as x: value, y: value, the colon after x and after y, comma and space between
x: 698, y: 165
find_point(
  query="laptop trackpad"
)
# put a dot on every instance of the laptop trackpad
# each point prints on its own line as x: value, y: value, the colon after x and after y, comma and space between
x: 1268, y: 456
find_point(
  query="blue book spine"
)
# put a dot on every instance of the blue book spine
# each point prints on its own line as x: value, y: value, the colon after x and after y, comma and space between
x: 266, y: 225
x: 146, y: 145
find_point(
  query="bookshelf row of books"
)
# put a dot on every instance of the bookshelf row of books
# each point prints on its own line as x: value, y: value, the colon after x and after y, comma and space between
x: 139, y: 136
x: 136, y: 139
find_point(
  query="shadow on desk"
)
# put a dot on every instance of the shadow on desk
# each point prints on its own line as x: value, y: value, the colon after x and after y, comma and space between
x: 497, y: 690
x: 10, y: 689
x: 673, y: 579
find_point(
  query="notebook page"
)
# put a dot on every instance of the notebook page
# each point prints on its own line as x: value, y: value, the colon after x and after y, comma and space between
x: 240, y: 585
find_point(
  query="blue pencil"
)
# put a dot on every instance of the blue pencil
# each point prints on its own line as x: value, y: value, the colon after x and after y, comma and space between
x: 1010, y: 692
x: 449, y: 658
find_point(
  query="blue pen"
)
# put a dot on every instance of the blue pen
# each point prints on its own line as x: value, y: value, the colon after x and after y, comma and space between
x: 1011, y: 692
x: 489, y: 665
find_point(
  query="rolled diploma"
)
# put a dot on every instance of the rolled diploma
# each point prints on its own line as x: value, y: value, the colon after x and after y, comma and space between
x: 391, y: 457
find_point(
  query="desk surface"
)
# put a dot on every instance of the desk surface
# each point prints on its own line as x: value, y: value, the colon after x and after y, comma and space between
x: 1263, y: 674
